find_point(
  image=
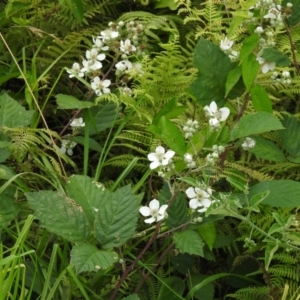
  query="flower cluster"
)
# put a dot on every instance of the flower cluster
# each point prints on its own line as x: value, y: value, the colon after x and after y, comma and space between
x: 248, y: 143
x: 212, y: 157
x: 77, y: 123
x: 190, y: 127
x: 123, y: 40
x: 284, y: 77
x: 188, y: 159
x: 216, y: 116
x: 67, y: 147
x: 154, y: 211
x: 200, y: 199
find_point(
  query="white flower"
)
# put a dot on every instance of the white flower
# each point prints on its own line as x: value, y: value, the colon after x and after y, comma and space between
x: 259, y: 30
x: 108, y: 34
x: 93, y: 55
x: 160, y: 157
x: 226, y: 44
x: 199, y: 198
x: 77, y: 122
x: 267, y: 66
x: 100, y: 87
x: 127, y: 47
x: 248, y: 143
x: 212, y: 111
x: 67, y: 147
x: 76, y: 70
x: 188, y: 157
x: 91, y: 65
x: 127, y: 91
x: 273, y: 13
x: 157, y: 213
x: 286, y: 74
x: 123, y: 65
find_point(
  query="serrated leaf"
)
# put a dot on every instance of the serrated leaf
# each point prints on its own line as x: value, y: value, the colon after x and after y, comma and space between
x: 273, y: 55
x: 12, y: 114
x: 208, y: 233
x: 248, y: 46
x: 254, y: 124
x: 283, y: 193
x: 88, y: 258
x: 266, y: 149
x: 250, y: 69
x: 211, y: 81
x: 59, y: 214
x: 86, y: 194
x: 236, y: 178
x: 232, y: 79
x: 188, y: 241
x: 177, y: 210
x: 290, y: 135
x: 117, y: 218
x: 103, y: 116
x: 260, y: 98
x: 70, y: 102
x: 8, y: 207
x: 258, y: 198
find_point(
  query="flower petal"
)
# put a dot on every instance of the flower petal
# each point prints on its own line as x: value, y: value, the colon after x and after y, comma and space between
x: 213, y: 107
x: 145, y: 211
x: 194, y: 203
x: 150, y: 220
x: 190, y: 192
x: 169, y: 154
x: 206, y: 202
x: 154, y: 204
x: 152, y: 157
x: 154, y: 165
x: 163, y: 209
x: 225, y: 112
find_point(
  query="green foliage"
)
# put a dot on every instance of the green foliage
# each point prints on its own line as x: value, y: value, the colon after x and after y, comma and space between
x: 210, y: 83
x: 189, y: 241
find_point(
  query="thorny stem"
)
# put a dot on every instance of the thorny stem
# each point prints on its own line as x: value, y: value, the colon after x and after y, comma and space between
x: 130, y: 268
x: 144, y: 278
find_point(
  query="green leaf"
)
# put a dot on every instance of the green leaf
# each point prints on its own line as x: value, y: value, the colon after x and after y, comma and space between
x: 188, y: 241
x: 269, y: 253
x: 166, y: 3
x: 86, y: 194
x: 275, y: 228
x: 260, y: 98
x: 4, y: 155
x: 258, y: 198
x: 103, y: 116
x: 12, y: 114
x: 59, y: 214
x: 273, y: 55
x: 70, y: 102
x: 116, y: 218
x: 249, y: 45
x: 171, y: 136
x: 170, y: 110
x: 206, y: 292
x: 213, y: 66
x: 254, y: 124
x: 177, y: 210
x: 8, y: 207
x: 294, y: 18
x: 290, y: 135
x: 173, y: 287
x: 88, y: 258
x: 250, y: 69
x: 235, y: 22
x: 283, y: 193
x: 208, y: 233
x: 266, y: 149
x: 232, y: 79
x: 93, y: 144
x: 77, y: 9
x: 236, y: 178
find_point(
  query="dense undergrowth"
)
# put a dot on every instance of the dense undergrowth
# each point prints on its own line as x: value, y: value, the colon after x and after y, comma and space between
x: 149, y: 149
